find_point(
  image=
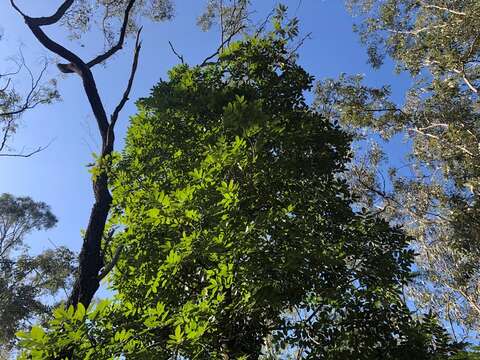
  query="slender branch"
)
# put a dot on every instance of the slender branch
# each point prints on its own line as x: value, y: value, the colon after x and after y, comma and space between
x: 121, y: 104
x: 222, y: 45
x: 22, y: 155
x: 180, y: 57
x: 416, y: 31
x: 299, y: 45
x: 419, y: 131
x: 261, y: 27
x: 469, y: 84
x: 111, y: 265
x: 6, y: 132
x: 428, y: 6
x: 33, y: 93
x: 473, y: 304
x: 385, y: 196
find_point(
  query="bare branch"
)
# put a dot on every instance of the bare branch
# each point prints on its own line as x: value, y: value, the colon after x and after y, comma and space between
x: 299, y: 44
x: 29, y: 154
x: 12, y: 109
x: 121, y: 104
x: 111, y: 265
x: 180, y: 57
x: 222, y: 45
x: 261, y: 27
x: 50, y: 20
x: 49, y: 43
x: 85, y: 73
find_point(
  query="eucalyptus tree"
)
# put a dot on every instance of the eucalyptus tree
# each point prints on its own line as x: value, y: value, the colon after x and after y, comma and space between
x: 26, y: 279
x: 435, y: 192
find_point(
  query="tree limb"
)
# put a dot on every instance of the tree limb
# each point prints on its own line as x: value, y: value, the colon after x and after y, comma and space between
x: 222, y: 45
x: 49, y: 20
x: 111, y: 265
x: 46, y: 41
x: 442, y: 8
x: 180, y: 57
x: 82, y: 69
x: 121, y: 104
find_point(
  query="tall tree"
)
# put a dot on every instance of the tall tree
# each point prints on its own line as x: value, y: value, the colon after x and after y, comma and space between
x: 435, y: 194
x: 26, y: 279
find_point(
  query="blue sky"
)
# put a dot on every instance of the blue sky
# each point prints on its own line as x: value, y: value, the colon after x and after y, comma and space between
x: 59, y: 176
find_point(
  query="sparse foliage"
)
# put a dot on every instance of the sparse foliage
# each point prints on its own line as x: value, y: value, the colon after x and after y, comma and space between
x: 14, y: 103
x: 434, y: 194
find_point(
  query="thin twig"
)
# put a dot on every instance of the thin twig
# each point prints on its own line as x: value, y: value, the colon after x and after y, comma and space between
x: 219, y: 49
x: 180, y: 57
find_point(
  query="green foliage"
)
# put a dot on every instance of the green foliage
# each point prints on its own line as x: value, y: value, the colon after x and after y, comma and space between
x: 104, y: 15
x: 239, y: 233
x: 19, y: 216
x: 435, y: 193
x: 236, y: 217
x: 25, y: 280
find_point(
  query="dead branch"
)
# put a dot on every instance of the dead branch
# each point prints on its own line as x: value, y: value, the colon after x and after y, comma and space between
x: 126, y: 94
x: 180, y: 57
x: 222, y: 45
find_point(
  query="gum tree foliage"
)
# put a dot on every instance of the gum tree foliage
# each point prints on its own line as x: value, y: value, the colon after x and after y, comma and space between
x: 26, y: 279
x: 239, y: 235
x: 434, y: 193
x: 14, y: 102
x: 230, y: 16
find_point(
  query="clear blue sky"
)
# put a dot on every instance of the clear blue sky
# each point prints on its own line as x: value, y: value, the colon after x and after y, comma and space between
x: 59, y: 175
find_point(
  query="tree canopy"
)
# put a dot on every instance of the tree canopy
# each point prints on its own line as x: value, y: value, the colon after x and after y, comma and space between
x: 238, y: 238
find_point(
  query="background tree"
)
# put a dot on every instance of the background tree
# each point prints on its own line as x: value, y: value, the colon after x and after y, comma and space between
x: 13, y: 103
x: 25, y: 279
x: 230, y: 16
x: 435, y: 192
